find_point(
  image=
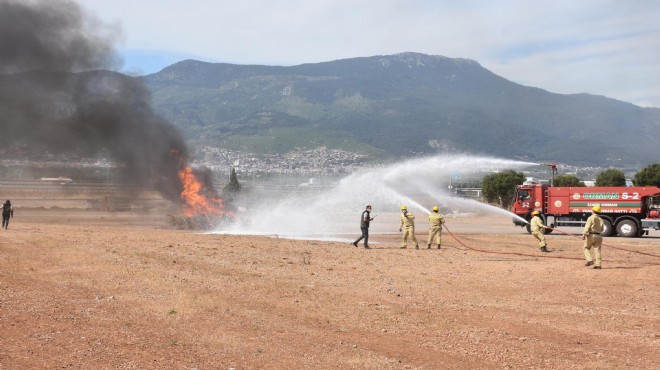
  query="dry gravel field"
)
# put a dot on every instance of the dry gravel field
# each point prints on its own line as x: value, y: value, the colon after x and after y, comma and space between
x: 92, y: 290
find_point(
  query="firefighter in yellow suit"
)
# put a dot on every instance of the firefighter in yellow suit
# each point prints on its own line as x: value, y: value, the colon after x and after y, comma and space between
x: 408, y: 227
x: 538, y: 230
x: 592, y: 237
x: 435, y: 227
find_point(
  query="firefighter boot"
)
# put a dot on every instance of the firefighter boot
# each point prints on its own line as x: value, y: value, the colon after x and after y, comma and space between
x: 544, y: 249
x: 428, y: 246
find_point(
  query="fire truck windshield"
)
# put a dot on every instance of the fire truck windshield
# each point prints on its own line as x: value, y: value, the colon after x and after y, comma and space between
x: 523, y: 195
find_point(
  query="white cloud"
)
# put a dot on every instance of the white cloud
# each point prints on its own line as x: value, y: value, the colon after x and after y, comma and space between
x: 604, y: 47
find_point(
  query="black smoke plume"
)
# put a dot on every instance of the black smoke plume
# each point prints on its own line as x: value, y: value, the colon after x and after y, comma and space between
x: 57, y: 94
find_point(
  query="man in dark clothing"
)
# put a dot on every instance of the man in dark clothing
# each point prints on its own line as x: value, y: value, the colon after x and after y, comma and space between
x: 364, y: 226
x: 7, y: 211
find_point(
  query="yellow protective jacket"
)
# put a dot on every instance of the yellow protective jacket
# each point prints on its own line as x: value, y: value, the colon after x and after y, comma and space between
x: 407, y: 220
x: 536, y: 224
x: 594, y: 225
x: 436, y: 220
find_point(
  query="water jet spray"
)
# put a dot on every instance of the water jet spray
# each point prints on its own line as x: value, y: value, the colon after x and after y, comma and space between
x: 328, y: 213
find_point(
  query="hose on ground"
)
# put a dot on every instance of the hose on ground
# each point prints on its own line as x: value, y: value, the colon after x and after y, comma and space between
x: 539, y: 255
x: 610, y: 246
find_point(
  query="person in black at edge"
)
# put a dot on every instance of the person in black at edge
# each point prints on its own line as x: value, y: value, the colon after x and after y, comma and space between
x: 364, y: 226
x: 7, y: 211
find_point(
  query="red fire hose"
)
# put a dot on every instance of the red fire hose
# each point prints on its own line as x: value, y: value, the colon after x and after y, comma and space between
x: 611, y: 246
x: 509, y: 253
x: 539, y: 255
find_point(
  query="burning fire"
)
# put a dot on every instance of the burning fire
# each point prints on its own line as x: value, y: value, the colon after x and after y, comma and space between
x: 196, y: 203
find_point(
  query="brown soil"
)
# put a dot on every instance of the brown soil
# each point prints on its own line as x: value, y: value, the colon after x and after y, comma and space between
x: 92, y: 290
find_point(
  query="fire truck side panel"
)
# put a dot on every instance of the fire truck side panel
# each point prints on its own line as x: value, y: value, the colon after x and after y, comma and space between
x: 614, y: 200
x: 538, y: 195
x: 558, y: 200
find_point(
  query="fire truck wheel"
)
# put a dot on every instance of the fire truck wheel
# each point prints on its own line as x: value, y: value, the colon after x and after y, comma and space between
x: 607, y: 228
x: 627, y: 228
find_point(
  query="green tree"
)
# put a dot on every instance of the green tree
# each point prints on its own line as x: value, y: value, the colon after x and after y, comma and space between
x: 568, y: 180
x: 611, y: 177
x: 648, y: 176
x: 500, y: 187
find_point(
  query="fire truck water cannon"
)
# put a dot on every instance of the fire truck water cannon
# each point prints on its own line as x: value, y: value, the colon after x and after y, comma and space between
x: 553, y: 172
x: 626, y: 211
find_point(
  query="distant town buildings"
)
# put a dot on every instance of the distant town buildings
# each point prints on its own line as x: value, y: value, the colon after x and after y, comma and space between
x: 301, y: 161
x: 314, y: 167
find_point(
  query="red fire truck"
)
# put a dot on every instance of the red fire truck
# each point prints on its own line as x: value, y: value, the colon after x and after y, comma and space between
x: 626, y: 211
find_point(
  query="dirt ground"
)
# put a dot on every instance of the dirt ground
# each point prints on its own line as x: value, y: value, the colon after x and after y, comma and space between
x: 90, y: 290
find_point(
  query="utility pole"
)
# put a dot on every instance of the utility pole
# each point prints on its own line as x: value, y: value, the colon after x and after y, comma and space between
x: 553, y: 170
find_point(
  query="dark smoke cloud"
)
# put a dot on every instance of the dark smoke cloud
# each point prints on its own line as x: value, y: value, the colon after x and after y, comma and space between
x: 57, y: 95
x: 53, y: 35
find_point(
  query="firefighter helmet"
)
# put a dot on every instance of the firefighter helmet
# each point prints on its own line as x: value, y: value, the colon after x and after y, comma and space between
x: 596, y: 208
x: 435, y: 208
x: 403, y: 208
x: 535, y: 212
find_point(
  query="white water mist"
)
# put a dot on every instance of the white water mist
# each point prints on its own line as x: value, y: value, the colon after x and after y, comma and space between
x: 334, y: 212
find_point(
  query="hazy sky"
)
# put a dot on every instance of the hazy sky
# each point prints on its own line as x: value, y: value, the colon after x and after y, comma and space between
x: 603, y: 47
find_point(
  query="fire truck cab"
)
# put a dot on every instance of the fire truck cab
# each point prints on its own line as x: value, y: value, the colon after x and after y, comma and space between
x: 626, y: 211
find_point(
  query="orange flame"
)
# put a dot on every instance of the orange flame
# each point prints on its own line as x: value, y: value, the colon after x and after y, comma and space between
x: 196, y: 203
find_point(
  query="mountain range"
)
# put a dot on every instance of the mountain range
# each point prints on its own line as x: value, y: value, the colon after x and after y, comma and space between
x: 398, y: 106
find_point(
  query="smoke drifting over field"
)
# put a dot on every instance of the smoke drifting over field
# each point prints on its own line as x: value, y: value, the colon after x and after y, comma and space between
x: 57, y: 95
